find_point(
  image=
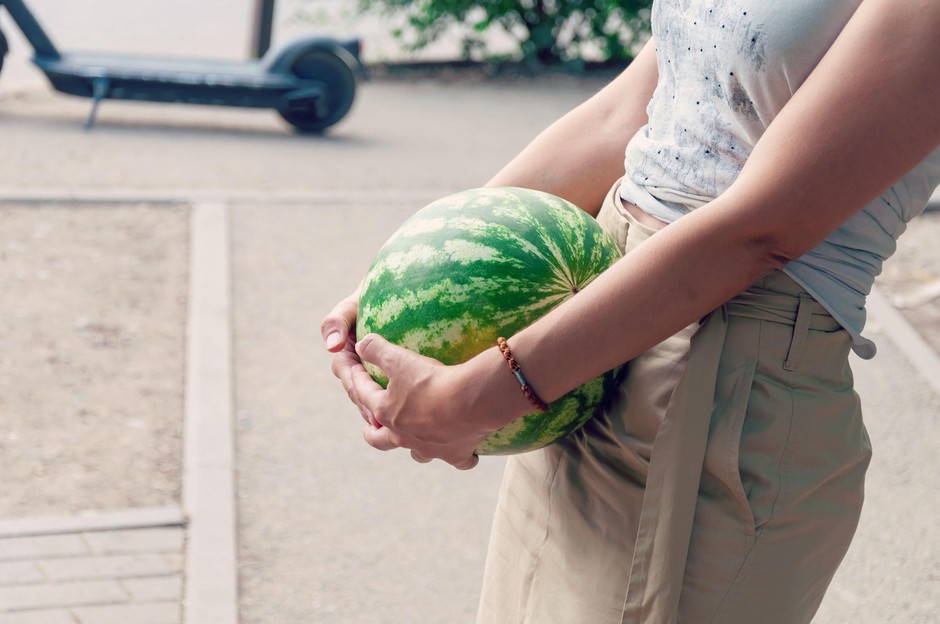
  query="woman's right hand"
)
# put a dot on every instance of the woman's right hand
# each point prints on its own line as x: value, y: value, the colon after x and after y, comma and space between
x: 420, y: 413
x: 338, y: 330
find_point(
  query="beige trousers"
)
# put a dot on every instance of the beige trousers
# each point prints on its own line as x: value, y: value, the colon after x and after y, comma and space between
x: 723, y: 484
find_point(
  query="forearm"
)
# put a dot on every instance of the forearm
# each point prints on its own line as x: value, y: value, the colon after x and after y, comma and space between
x: 674, y: 279
x: 581, y: 155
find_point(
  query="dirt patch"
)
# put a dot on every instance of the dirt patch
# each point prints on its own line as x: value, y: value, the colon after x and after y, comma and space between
x: 91, y: 357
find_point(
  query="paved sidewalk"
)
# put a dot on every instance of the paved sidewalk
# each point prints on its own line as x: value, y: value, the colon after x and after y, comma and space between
x: 113, y: 568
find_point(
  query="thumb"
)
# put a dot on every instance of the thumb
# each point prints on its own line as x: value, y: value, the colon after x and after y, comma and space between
x: 380, y: 352
x: 393, y: 360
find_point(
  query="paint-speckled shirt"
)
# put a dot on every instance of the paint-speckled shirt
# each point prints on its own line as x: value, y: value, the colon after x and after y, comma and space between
x: 726, y: 68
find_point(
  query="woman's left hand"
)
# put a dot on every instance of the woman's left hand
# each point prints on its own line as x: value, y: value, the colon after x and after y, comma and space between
x: 425, y: 408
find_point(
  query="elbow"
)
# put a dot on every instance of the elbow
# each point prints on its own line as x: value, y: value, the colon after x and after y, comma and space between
x: 776, y: 260
x: 773, y: 253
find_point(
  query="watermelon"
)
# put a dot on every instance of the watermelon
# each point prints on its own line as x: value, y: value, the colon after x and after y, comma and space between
x: 480, y: 264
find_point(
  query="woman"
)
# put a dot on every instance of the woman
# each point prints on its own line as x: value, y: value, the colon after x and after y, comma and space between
x: 774, y: 152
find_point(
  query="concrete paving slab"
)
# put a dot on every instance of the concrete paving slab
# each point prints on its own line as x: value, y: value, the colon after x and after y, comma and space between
x: 156, y: 589
x: 47, y: 596
x: 91, y: 521
x: 16, y: 572
x: 46, y: 546
x: 147, y: 565
x: 93, y: 576
x: 153, y: 613
x: 44, y: 616
x: 148, y: 540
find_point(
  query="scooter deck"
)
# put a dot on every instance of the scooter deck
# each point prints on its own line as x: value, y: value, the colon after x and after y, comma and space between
x: 91, y: 66
x: 99, y: 76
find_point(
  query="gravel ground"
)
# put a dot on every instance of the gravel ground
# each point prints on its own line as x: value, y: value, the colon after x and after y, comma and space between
x: 91, y: 357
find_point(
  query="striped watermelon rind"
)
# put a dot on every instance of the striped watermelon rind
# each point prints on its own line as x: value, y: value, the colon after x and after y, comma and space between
x: 480, y: 264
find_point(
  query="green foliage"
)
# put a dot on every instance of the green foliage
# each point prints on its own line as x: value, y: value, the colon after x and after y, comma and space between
x: 547, y: 31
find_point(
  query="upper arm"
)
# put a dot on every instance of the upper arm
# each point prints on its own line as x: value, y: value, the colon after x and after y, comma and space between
x: 867, y: 114
x: 622, y: 103
x: 579, y: 156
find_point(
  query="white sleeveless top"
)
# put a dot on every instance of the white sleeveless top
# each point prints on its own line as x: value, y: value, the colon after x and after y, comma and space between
x: 726, y: 68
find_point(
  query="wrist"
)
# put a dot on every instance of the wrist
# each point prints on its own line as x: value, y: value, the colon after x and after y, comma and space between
x: 496, y: 394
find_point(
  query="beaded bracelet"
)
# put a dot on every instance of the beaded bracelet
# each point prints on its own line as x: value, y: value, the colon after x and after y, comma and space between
x: 526, y: 388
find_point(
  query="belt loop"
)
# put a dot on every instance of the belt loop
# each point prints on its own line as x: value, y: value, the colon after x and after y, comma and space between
x: 804, y: 315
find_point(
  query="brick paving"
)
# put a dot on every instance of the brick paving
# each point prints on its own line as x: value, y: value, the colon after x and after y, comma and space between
x: 121, y: 574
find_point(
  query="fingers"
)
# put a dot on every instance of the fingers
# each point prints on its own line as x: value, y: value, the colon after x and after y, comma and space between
x: 353, y: 376
x: 345, y: 361
x: 340, y: 324
x: 460, y: 462
x: 384, y: 439
x: 381, y: 438
x: 379, y: 352
x: 466, y: 464
x: 418, y: 457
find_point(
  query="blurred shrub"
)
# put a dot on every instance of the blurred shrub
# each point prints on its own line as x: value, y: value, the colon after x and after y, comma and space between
x: 547, y: 31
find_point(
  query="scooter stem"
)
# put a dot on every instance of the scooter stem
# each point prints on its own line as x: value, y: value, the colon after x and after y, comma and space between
x: 31, y: 29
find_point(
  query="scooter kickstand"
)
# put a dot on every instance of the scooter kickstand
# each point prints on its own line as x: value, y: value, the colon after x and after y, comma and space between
x: 100, y: 88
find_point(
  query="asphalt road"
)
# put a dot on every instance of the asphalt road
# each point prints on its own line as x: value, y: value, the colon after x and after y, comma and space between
x: 399, y: 136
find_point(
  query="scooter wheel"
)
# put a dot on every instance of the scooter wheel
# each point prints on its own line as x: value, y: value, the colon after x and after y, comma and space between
x: 339, y: 89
